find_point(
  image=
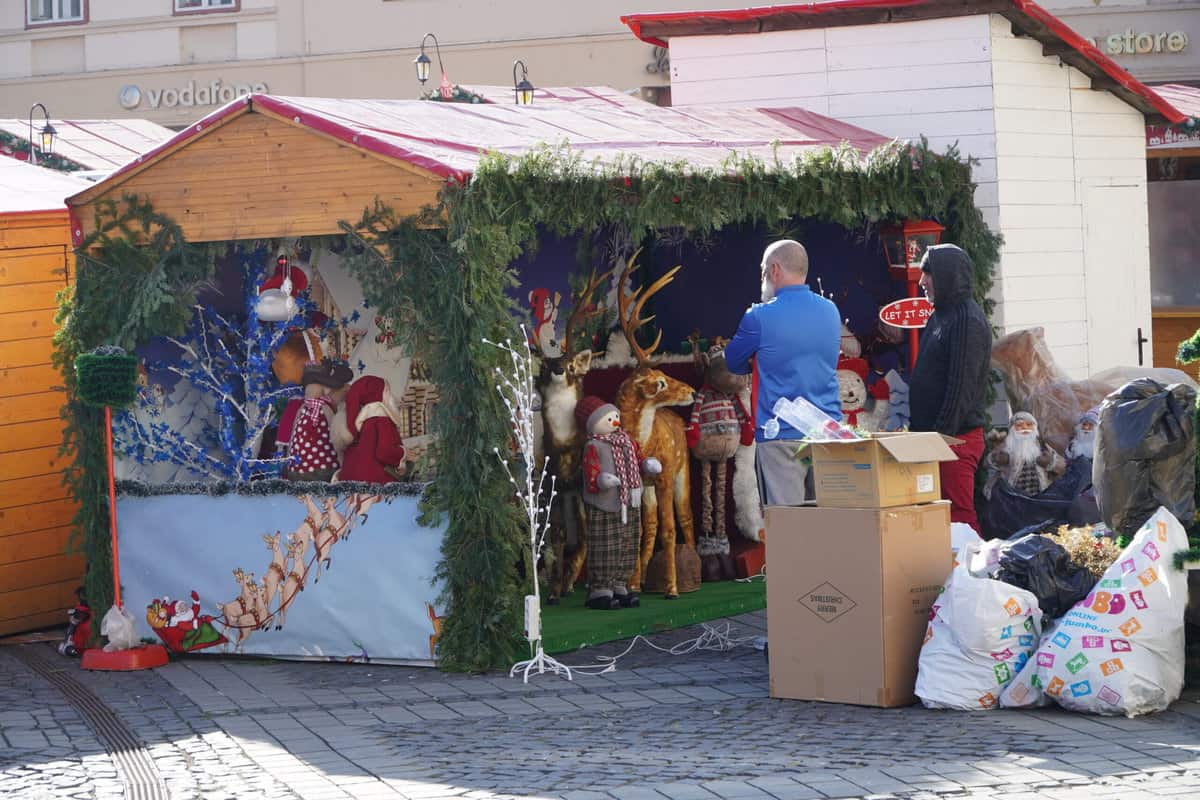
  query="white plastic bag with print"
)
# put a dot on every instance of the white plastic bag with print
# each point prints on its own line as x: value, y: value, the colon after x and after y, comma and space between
x: 1120, y: 649
x: 981, y: 632
x: 117, y: 627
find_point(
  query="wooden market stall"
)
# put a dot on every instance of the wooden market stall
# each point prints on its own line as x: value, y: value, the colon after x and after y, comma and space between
x: 37, y: 576
x: 538, y: 182
x: 90, y: 148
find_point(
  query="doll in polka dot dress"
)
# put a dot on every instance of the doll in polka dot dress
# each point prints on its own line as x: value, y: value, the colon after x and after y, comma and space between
x: 313, y: 456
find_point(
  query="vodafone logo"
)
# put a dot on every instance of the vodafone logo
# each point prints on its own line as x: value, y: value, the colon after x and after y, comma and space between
x: 188, y: 96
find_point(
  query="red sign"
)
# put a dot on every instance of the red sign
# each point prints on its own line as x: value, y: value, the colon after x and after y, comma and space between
x: 911, y: 312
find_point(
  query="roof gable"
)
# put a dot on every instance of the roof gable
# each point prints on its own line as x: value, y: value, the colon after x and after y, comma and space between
x: 1027, y: 18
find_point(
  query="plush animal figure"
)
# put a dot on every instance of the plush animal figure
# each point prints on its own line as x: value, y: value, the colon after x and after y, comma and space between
x: 311, y: 451
x: 851, y: 346
x: 612, y: 488
x: 545, y: 319
x: 376, y: 453
x: 717, y: 426
x: 898, y: 408
x: 852, y: 390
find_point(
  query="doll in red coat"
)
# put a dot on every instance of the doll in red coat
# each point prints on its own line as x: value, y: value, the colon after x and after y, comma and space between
x: 376, y: 454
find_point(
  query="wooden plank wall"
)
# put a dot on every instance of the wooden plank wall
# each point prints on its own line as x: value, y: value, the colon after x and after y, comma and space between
x: 1058, y: 141
x: 931, y: 78
x: 257, y: 176
x: 37, y: 577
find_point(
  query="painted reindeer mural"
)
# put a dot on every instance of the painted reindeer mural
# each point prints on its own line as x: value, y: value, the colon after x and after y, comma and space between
x: 643, y: 398
x: 560, y: 384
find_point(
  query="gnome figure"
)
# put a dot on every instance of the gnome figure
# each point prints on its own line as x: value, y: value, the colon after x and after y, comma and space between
x: 612, y: 488
x: 1024, y: 460
x: 311, y: 452
x: 1083, y: 441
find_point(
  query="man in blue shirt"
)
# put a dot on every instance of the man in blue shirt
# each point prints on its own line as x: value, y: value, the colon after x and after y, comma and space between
x: 794, y: 336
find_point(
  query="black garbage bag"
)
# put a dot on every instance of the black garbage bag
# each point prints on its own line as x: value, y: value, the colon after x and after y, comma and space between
x: 1146, y: 454
x: 1042, y: 566
x: 1009, y: 510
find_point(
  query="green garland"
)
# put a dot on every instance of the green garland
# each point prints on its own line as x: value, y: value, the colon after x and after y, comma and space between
x: 443, y: 275
x: 1189, y: 353
x: 446, y: 274
x: 136, y: 278
x: 107, y: 376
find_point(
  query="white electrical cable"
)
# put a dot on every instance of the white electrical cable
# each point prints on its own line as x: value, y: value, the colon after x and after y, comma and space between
x: 717, y: 639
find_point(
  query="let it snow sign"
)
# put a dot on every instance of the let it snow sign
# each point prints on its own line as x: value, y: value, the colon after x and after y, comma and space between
x: 911, y: 312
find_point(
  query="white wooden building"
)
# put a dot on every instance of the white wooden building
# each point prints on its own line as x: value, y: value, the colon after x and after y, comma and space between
x: 1058, y: 130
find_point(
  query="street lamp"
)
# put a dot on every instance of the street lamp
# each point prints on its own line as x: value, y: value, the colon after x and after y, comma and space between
x: 422, y: 61
x: 523, y: 89
x: 47, y: 134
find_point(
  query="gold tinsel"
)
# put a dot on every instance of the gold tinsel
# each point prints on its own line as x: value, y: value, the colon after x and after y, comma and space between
x: 1086, y: 550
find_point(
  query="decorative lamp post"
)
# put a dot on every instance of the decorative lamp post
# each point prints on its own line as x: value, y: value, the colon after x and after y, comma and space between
x: 107, y: 377
x: 45, y: 142
x: 422, y: 63
x: 522, y: 89
x: 904, y: 246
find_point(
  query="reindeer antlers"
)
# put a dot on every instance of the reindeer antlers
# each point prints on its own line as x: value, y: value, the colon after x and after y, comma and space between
x: 631, y: 320
x: 581, y: 309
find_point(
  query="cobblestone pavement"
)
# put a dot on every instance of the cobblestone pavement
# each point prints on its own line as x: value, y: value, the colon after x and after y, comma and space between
x: 688, y: 727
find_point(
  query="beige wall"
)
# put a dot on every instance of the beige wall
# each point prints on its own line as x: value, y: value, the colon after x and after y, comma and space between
x: 350, y: 48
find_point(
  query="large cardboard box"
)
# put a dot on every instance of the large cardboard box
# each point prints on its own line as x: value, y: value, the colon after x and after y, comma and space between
x: 888, y: 469
x: 848, y: 599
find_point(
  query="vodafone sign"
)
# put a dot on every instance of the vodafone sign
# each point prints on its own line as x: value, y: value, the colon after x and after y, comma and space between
x: 911, y: 312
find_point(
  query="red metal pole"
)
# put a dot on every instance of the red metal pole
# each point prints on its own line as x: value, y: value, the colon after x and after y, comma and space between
x: 112, y: 507
x: 914, y: 335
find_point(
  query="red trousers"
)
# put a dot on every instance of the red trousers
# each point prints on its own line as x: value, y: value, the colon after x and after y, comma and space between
x: 958, y: 477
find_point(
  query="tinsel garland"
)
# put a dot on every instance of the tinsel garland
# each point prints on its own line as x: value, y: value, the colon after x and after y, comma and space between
x: 20, y: 145
x: 1191, y: 554
x: 106, y: 376
x: 271, y: 487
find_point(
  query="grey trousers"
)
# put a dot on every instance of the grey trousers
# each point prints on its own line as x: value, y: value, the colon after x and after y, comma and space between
x: 783, y: 479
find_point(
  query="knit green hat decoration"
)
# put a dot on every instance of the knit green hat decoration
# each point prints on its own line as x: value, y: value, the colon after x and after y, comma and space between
x: 106, y: 376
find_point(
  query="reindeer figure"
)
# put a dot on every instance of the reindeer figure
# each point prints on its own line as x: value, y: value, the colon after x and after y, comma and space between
x: 239, y: 612
x: 295, y: 579
x: 642, y: 399
x: 259, y: 610
x: 276, y: 573
x: 560, y: 384
x: 335, y: 527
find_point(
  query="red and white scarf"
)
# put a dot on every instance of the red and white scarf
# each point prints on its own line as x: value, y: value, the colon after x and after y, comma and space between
x: 625, y: 462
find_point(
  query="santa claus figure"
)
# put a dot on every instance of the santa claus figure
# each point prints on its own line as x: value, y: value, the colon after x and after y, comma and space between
x: 376, y: 452
x: 1024, y: 460
x: 183, y: 613
x: 1083, y: 442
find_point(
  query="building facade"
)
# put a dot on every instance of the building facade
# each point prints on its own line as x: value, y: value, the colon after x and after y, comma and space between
x: 172, y: 61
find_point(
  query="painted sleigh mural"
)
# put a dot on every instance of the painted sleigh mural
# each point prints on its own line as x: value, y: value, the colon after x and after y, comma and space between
x: 344, y: 577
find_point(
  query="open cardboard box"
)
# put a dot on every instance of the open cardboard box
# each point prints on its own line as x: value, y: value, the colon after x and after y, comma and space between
x: 885, y: 470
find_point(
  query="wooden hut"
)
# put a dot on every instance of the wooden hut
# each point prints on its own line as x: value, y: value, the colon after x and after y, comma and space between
x: 37, y: 576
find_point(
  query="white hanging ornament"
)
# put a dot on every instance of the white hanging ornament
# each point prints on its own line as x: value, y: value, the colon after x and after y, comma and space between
x: 278, y: 305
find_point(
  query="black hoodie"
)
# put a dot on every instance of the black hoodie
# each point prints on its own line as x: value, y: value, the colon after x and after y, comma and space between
x: 949, y: 381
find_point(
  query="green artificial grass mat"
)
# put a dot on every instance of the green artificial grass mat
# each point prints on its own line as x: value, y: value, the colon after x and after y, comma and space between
x: 571, y: 625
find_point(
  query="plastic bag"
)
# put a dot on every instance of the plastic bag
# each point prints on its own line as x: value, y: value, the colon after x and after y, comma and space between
x: 981, y: 632
x: 962, y: 536
x: 1042, y: 566
x: 1120, y: 650
x: 1009, y: 511
x: 1145, y: 454
x: 117, y: 627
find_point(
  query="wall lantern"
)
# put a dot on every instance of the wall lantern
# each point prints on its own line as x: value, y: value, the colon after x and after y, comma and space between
x: 904, y: 246
x: 522, y: 89
x: 45, y: 141
x: 422, y: 61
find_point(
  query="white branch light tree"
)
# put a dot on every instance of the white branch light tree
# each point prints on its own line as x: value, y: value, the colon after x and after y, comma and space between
x: 517, y: 392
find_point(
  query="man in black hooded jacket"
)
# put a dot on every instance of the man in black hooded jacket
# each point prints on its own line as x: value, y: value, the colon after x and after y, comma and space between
x: 950, y: 379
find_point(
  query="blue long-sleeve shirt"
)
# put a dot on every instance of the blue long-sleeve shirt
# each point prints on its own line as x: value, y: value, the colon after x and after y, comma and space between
x: 795, y: 339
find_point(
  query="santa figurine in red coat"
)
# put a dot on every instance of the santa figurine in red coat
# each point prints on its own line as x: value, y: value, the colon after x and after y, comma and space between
x: 376, y: 454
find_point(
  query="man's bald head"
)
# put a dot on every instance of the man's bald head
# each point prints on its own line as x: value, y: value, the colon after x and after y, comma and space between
x: 791, y: 257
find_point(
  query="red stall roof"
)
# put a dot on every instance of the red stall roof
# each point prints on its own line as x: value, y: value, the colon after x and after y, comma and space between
x: 97, y: 144
x: 1030, y: 18
x: 448, y: 139
x: 25, y: 188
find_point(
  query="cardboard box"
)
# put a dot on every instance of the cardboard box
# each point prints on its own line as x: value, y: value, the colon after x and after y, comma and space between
x: 848, y: 599
x: 889, y: 469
